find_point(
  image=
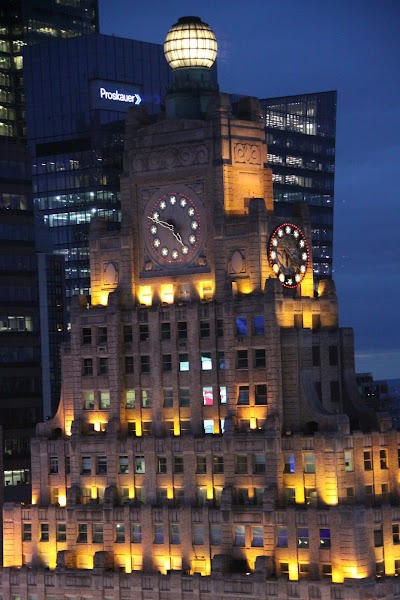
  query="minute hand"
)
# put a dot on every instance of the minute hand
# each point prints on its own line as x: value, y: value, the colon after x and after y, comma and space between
x: 162, y: 223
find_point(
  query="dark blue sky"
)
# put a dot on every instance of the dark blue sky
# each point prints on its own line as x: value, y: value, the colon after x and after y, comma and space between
x: 273, y: 48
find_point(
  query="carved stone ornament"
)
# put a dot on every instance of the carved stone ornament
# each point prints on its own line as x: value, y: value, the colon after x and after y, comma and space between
x: 110, y: 273
x: 170, y: 158
x: 247, y: 154
x: 237, y: 263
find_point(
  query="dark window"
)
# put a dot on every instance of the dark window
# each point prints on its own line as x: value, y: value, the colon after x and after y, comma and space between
x: 198, y: 535
x: 327, y: 570
x: 185, y: 427
x: 97, y: 533
x: 61, y: 532
x: 182, y: 330
x: 86, y: 465
x: 204, y: 329
x: 103, y: 366
x: 316, y: 322
x: 215, y: 535
x: 220, y: 328
x: 378, y: 538
x: 243, y: 395
x: 53, y: 461
x: 318, y: 389
x: 165, y: 331
x: 218, y: 464
x: 258, y: 325
x: 158, y: 534
x: 143, y: 332
x: 241, y: 464
x: 184, y: 362
x: 86, y: 335
x: 101, y: 465
x: 128, y: 365
x: 257, y: 537
x: 161, y: 465
x: 178, y: 464
x: 240, y: 537
x: 168, y: 398
x: 367, y: 460
x: 136, y: 534
x: 175, y: 534
x: 184, y: 397
x: 316, y: 356
x: 241, y: 359
x: 335, y: 391
x: 260, y: 393
x: 101, y: 335
x: 396, y: 533
x: 302, y: 537
x: 298, y: 321
x: 259, y: 358
x: 282, y: 537
x: 201, y: 464
x: 87, y: 366
x: 26, y: 532
x: 258, y: 464
x: 221, y: 360
x: 241, y: 326
x: 383, y: 459
x: 333, y: 356
x: 123, y: 466
x: 128, y: 334
x: 44, y: 532
x: 82, y: 534
x: 145, y: 364
x: 166, y: 363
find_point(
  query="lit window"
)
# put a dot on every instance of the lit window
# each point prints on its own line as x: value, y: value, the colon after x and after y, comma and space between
x: 139, y: 464
x: 88, y: 400
x: 208, y: 397
x: 208, y: 425
x: 309, y: 462
x: 325, y: 538
x: 383, y: 459
x: 130, y: 398
x: 289, y: 463
x: 222, y: 394
x: 206, y: 362
x: 136, y: 534
x: 221, y: 360
x: 146, y: 399
x: 302, y: 537
x: 104, y: 400
x: 240, y: 535
x: 241, y: 326
x: 119, y: 533
x: 184, y: 362
x: 123, y: 467
x: 348, y: 461
x: 257, y: 537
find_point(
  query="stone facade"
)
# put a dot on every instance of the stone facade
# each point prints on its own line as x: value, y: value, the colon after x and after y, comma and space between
x: 210, y: 439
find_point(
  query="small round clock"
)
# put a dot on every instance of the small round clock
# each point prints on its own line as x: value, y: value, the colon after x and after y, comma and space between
x: 288, y: 254
x: 174, y: 227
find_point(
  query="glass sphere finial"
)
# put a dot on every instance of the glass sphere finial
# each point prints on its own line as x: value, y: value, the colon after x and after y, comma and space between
x: 190, y: 43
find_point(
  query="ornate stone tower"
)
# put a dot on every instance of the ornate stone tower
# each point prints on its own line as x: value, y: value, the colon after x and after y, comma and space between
x: 209, y: 438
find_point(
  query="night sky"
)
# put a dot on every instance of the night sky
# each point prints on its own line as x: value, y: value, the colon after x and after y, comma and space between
x: 271, y: 48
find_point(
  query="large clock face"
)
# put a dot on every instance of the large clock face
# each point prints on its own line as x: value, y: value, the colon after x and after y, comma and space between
x: 288, y: 254
x: 174, y: 228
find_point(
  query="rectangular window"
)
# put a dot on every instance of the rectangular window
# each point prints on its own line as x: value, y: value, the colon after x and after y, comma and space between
x: 185, y: 427
x: 385, y: 492
x: 101, y: 335
x: 333, y: 356
x: 348, y: 461
x: 327, y: 571
x: 53, y: 465
x: 26, y: 532
x: 206, y: 362
x: 82, y: 537
x: 311, y: 496
x: 241, y: 326
x: 139, y: 464
x: 184, y: 397
x: 220, y: 328
x: 182, y: 330
x: 201, y: 464
x: 222, y: 394
x: 178, y: 464
x: 61, y: 532
x: 145, y: 399
x: 218, y: 464
x: 101, y: 468
x: 127, y: 333
x: 165, y: 331
x: 88, y: 400
x: 243, y: 394
x: 289, y: 463
x: 241, y: 464
x: 130, y: 398
x: 221, y: 360
x: 86, y: 336
x: 204, y: 329
x: 378, y: 538
x: 44, y: 532
x: 168, y: 397
x: 86, y: 465
x: 215, y: 535
x: 128, y: 365
x: 257, y: 534
x: 260, y: 394
x: 284, y: 569
x: 240, y: 535
x: 103, y: 366
x: 174, y: 534
x: 396, y: 533
x: 136, y: 533
x: 166, y: 363
x: 316, y: 356
x: 383, y: 459
x: 161, y: 465
x: 367, y: 460
x: 143, y: 332
x: 123, y: 465
x: 208, y: 425
x: 259, y: 358
x: 302, y: 537
x: 258, y: 325
x: 325, y: 538
x: 198, y: 535
x: 309, y: 462
x: 104, y: 401
x: 158, y: 534
x: 290, y: 495
x: 97, y: 533
x: 208, y: 396
x: 241, y: 359
x: 304, y: 568
x: 87, y: 367
x: 184, y: 362
x: 258, y: 464
x: 147, y: 427
x: 131, y: 428
x: 119, y: 533
x: 335, y: 391
x: 145, y: 364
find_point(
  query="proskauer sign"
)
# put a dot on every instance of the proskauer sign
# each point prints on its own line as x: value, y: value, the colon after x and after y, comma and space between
x: 114, y: 95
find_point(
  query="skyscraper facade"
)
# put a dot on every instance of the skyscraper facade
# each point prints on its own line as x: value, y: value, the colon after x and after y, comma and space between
x: 210, y: 440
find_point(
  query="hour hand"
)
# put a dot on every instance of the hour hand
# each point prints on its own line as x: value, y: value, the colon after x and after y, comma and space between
x: 178, y: 237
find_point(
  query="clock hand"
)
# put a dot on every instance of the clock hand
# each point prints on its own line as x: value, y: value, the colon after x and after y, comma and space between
x: 162, y: 223
x: 178, y: 237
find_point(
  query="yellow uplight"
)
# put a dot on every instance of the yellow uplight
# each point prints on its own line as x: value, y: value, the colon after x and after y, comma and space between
x: 62, y: 500
x: 167, y: 293
x: 145, y: 295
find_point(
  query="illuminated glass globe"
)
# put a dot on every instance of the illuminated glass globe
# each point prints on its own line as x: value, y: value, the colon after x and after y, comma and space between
x: 190, y: 43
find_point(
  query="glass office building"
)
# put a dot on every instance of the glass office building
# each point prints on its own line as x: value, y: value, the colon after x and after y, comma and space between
x: 301, y: 152
x: 76, y: 131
